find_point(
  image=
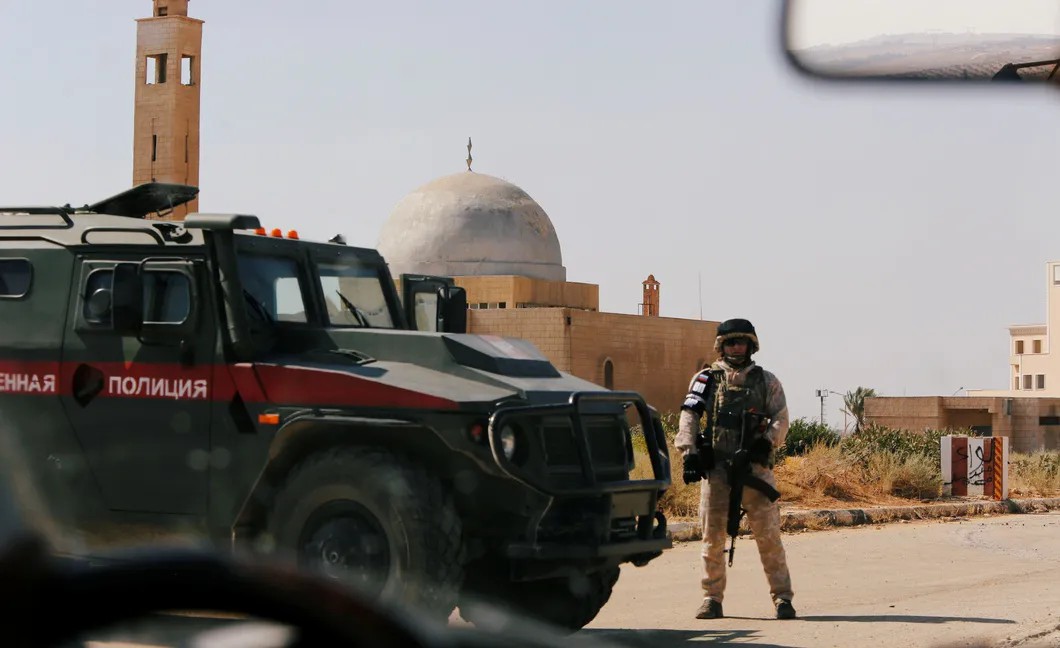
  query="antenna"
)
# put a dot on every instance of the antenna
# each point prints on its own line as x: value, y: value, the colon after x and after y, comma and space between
x: 700, y: 295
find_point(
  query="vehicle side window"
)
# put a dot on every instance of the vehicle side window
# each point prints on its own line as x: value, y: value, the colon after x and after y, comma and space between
x: 16, y: 275
x: 167, y: 297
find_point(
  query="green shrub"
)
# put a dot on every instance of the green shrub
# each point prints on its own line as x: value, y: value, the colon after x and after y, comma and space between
x: 804, y: 434
x: 874, y: 438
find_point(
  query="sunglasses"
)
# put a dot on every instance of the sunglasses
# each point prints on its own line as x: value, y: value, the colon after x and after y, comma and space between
x: 734, y: 341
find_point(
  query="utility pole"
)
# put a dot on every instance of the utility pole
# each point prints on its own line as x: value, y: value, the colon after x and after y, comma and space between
x: 822, y: 394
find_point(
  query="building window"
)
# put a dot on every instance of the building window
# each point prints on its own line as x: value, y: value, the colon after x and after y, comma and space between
x: 1027, y: 381
x: 1037, y: 346
x: 1056, y: 274
x: 185, y: 70
x: 1049, y: 420
x: 163, y: 11
x: 609, y: 374
x: 1019, y: 347
x: 1016, y: 382
x: 1040, y: 381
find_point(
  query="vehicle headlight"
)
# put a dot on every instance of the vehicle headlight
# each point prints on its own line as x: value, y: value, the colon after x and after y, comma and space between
x: 508, y: 442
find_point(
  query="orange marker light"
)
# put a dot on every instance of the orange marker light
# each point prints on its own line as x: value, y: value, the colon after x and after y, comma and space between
x: 292, y: 234
x: 276, y: 232
x: 260, y: 231
x: 269, y: 419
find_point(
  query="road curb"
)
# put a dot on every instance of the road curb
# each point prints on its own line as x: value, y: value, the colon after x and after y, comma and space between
x: 829, y: 518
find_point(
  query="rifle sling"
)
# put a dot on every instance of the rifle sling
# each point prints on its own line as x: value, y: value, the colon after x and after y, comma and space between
x: 762, y: 487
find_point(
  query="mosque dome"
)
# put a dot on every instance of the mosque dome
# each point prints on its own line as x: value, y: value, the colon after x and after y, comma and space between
x: 470, y: 223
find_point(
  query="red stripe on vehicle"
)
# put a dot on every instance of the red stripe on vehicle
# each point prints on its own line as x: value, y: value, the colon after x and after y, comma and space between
x: 263, y: 384
x: 303, y: 385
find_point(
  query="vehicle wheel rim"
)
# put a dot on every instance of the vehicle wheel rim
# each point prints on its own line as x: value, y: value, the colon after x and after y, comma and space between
x: 345, y: 541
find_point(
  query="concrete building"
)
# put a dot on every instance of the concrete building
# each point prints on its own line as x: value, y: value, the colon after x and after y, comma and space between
x: 502, y: 248
x: 1028, y: 411
x: 166, y: 109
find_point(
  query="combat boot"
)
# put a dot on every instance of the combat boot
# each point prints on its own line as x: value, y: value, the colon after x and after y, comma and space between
x: 710, y: 609
x: 785, y: 610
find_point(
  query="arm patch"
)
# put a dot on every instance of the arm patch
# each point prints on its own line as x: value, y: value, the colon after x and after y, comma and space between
x: 696, y: 400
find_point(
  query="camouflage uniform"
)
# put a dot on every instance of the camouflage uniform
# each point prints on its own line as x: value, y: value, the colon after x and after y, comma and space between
x: 735, y: 389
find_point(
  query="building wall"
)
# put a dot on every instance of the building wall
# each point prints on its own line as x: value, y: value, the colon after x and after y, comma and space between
x: 655, y: 356
x: 1031, y: 423
x: 1032, y: 365
x: 166, y: 115
x: 510, y: 291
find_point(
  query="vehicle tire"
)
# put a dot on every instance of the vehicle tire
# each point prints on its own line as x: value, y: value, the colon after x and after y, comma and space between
x: 376, y: 521
x: 566, y: 604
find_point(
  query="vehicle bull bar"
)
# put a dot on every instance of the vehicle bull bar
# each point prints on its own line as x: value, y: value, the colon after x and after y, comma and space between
x: 574, y: 410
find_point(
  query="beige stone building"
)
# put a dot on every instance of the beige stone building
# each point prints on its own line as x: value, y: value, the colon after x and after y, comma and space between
x: 1028, y: 411
x: 501, y: 247
x: 167, y: 99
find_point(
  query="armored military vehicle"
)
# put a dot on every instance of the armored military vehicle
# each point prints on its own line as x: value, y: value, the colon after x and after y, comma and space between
x: 282, y: 396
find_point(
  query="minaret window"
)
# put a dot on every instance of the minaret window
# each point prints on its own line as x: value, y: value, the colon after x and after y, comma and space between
x: 156, y: 69
x: 185, y: 70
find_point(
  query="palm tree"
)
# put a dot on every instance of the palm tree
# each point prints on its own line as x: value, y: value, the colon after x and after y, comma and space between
x: 854, y: 401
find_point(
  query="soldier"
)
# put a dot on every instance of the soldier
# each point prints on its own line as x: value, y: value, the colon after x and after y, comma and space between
x: 730, y: 386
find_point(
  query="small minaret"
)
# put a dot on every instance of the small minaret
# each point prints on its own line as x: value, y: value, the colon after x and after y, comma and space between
x: 650, y: 304
x: 166, y: 111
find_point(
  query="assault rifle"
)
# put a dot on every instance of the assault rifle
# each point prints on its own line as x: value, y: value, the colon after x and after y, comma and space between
x: 739, y: 474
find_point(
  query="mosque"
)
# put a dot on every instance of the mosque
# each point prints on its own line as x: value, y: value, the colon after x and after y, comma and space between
x: 492, y: 238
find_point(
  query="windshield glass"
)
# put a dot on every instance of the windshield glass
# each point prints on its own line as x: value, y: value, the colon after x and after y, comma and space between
x: 352, y: 290
x: 353, y: 293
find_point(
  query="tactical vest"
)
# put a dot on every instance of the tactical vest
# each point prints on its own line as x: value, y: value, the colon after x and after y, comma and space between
x: 729, y: 403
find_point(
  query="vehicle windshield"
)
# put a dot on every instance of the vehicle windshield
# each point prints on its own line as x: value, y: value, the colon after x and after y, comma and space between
x: 278, y: 287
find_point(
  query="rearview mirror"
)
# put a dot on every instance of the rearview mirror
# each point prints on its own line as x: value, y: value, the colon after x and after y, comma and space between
x: 963, y: 40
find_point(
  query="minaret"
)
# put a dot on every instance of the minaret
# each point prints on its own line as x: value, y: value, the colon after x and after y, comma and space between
x: 166, y: 114
x: 649, y: 307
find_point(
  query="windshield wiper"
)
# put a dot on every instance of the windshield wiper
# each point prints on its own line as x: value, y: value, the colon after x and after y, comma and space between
x: 361, y: 318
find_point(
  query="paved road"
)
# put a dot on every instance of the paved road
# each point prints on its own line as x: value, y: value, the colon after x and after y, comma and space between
x: 994, y: 579
x: 986, y: 582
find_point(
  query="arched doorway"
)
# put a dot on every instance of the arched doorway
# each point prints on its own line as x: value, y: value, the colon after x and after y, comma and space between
x: 609, y: 374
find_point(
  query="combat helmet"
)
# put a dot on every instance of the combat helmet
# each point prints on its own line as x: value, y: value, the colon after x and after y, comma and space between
x: 734, y: 328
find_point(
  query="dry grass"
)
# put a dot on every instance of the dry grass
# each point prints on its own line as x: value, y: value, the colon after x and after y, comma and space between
x: 1034, y: 475
x: 836, y: 477
x: 824, y: 477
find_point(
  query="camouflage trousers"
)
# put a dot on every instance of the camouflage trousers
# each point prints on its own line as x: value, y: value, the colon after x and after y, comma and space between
x: 763, y: 517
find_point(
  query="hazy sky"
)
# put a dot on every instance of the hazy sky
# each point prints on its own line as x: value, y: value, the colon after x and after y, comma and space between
x: 882, y: 236
x: 816, y: 22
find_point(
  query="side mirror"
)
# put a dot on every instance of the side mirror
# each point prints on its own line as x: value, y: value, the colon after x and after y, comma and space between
x: 453, y: 309
x: 434, y: 304
x: 127, y: 299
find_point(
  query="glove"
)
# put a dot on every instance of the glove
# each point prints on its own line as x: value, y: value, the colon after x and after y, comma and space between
x: 761, y: 451
x: 697, y: 464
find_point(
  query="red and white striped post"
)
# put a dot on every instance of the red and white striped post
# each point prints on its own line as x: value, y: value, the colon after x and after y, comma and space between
x: 973, y: 466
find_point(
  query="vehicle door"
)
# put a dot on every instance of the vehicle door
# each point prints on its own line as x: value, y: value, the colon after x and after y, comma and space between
x: 140, y: 400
